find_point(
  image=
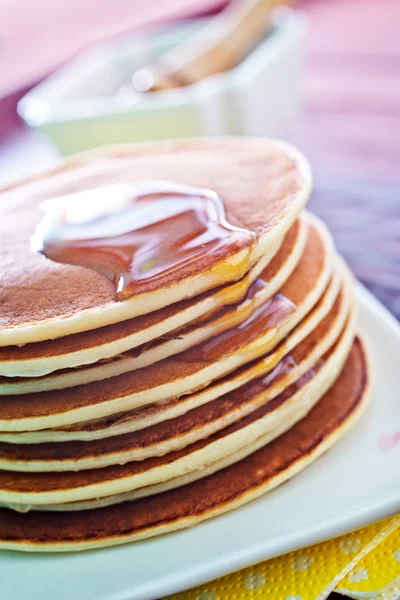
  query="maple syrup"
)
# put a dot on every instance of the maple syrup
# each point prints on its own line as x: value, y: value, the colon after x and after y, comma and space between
x: 138, y: 234
x: 268, y: 316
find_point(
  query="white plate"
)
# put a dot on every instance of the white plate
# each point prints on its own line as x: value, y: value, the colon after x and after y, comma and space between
x: 355, y: 483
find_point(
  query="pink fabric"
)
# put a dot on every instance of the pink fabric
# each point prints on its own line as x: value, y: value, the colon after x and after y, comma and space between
x: 352, y: 88
x: 38, y: 35
x: 354, y: 26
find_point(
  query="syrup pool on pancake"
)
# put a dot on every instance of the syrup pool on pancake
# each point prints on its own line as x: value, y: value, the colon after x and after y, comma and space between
x: 135, y: 233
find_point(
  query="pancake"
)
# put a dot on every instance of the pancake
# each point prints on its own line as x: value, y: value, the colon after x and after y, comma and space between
x: 227, y: 489
x: 194, y: 425
x: 33, y: 360
x: 149, y: 415
x: 190, y: 370
x: 264, y: 285
x: 268, y: 421
x: 263, y: 186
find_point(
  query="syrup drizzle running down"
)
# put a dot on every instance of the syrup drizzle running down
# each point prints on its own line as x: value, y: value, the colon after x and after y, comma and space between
x: 136, y: 234
x: 284, y: 367
x: 267, y: 317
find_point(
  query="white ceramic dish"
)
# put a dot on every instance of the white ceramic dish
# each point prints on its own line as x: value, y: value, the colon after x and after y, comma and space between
x: 76, y: 106
x: 355, y: 483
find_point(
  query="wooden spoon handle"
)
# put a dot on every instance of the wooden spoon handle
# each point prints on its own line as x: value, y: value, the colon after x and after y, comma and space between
x: 218, y: 47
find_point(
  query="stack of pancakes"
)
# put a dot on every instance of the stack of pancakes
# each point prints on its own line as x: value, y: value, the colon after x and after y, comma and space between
x: 131, y: 411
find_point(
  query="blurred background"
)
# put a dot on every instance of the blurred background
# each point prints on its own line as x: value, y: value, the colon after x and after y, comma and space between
x: 324, y: 74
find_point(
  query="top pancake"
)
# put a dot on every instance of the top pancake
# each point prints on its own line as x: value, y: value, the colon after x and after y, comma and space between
x: 263, y: 185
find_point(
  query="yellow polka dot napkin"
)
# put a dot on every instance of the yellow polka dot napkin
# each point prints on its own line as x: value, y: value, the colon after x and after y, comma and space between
x: 362, y: 564
x: 377, y: 572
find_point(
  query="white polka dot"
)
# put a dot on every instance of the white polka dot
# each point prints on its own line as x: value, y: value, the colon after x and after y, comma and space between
x: 302, y: 563
x: 254, y: 581
x: 206, y: 595
x: 293, y: 598
x: 396, y: 555
x: 350, y: 546
x: 358, y: 575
